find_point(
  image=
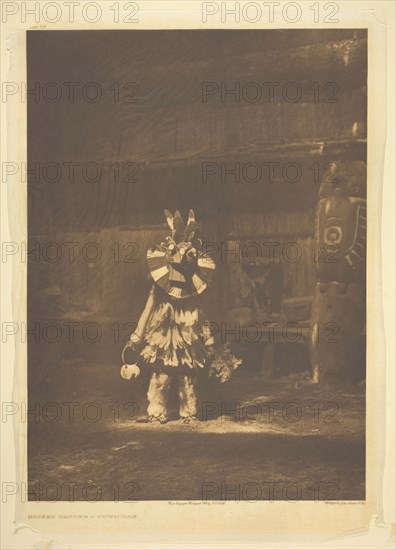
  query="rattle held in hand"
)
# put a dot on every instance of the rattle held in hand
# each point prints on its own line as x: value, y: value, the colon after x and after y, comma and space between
x: 129, y: 370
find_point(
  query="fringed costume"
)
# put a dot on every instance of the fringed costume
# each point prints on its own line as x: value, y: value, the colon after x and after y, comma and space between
x: 172, y: 330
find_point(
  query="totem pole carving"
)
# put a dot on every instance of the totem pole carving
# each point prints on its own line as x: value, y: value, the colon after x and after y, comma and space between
x: 339, y: 303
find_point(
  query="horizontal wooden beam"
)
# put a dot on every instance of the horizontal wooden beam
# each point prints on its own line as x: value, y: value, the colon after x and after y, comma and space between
x: 342, y: 148
x: 295, y: 235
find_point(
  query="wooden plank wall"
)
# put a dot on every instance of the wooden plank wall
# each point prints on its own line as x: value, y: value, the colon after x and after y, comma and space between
x: 169, y: 133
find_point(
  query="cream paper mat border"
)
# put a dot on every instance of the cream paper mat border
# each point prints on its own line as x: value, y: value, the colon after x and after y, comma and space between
x: 230, y: 525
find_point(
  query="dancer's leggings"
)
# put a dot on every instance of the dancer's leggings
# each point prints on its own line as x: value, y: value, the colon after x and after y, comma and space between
x: 158, y: 394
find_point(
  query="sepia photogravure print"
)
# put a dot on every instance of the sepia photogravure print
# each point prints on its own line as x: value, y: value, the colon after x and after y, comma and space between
x: 198, y: 200
x: 199, y: 260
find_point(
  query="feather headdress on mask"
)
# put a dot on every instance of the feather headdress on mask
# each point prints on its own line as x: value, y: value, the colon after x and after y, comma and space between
x: 178, y: 265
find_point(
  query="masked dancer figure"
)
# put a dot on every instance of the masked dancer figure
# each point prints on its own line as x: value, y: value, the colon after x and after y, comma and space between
x: 174, y: 338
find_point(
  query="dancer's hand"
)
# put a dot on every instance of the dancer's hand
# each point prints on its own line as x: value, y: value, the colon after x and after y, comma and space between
x: 134, y: 339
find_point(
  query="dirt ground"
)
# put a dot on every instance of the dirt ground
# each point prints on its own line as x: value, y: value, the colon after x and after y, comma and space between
x: 284, y: 439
